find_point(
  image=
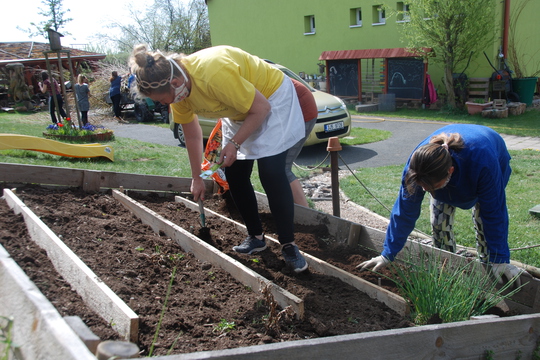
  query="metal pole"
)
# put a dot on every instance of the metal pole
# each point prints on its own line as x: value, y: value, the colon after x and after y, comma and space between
x: 334, y: 146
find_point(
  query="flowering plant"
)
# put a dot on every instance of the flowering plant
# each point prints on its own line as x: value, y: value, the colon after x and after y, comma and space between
x: 67, y: 127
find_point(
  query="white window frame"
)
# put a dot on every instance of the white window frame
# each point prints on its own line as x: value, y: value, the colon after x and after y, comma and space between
x: 381, y: 15
x: 311, y: 20
x: 405, y: 17
x: 406, y: 14
x: 358, y: 16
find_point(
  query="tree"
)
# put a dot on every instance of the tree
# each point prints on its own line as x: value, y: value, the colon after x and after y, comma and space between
x: 453, y: 29
x: 55, y: 19
x: 167, y: 25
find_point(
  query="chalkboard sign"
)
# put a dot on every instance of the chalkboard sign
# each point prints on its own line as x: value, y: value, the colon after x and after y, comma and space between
x: 406, y: 78
x: 343, y: 76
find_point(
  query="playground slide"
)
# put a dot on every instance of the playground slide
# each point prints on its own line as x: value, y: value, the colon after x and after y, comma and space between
x: 34, y: 143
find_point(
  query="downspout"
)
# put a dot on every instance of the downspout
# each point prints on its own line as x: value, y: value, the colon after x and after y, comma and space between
x: 506, y: 27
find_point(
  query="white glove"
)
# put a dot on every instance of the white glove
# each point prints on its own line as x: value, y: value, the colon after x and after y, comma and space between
x: 507, y: 270
x: 378, y: 263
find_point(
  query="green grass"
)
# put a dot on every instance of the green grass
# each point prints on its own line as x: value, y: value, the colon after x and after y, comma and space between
x: 132, y: 156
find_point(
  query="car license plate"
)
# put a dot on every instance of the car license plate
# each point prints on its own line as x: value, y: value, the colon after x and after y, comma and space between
x: 334, y: 126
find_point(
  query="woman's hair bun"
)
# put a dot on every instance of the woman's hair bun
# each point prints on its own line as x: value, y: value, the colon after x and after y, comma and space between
x: 150, y: 60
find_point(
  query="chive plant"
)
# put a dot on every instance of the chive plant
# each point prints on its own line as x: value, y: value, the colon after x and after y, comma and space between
x: 447, y: 290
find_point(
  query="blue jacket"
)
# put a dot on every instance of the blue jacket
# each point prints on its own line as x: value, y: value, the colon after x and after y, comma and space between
x: 481, y: 172
x: 115, y: 86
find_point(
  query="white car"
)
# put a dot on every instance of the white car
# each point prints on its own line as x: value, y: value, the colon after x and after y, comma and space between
x: 333, y: 119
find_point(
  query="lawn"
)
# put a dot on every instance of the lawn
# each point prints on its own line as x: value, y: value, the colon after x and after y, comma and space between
x: 132, y: 156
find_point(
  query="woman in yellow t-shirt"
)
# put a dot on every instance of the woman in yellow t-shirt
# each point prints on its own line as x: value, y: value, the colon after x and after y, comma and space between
x: 261, y: 120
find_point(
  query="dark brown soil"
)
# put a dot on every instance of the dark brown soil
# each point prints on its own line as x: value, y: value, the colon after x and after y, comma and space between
x: 137, y: 264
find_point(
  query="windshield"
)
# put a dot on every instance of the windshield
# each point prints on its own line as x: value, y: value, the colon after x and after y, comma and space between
x: 292, y: 75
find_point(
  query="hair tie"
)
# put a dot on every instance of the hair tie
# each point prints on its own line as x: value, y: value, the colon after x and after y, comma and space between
x: 445, y: 145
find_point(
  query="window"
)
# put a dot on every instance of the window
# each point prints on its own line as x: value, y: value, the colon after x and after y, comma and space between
x: 356, y: 17
x: 403, y: 12
x: 309, y: 25
x: 379, y: 16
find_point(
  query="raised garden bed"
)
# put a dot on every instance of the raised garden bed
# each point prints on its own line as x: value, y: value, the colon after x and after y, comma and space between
x: 458, y: 339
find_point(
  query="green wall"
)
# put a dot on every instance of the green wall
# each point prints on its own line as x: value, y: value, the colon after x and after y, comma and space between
x: 274, y: 29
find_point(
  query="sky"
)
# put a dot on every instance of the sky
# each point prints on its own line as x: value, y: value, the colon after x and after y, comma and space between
x: 89, y: 17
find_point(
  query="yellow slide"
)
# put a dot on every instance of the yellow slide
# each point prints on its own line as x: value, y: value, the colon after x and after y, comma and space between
x: 34, y: 143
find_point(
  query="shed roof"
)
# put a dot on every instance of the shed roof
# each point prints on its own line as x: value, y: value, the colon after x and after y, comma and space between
x: 369, y: 54
x: 31, y: 52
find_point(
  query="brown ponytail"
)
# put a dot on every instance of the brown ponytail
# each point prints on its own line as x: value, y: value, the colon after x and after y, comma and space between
x: 430, y: 163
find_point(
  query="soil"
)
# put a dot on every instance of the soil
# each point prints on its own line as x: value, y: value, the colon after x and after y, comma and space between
x: 207, y: 309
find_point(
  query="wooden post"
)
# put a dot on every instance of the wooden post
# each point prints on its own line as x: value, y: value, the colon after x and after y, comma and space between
x: 334, y: 146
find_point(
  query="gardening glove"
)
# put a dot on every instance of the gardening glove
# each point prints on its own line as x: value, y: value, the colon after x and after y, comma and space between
x: 508, y: 271
x: 378, y: 262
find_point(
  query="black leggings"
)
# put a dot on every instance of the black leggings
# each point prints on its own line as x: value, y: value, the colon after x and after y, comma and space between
x: 52, y: 108
x: 116, y: 104
x: 84, y: 117
x: 275, y: 183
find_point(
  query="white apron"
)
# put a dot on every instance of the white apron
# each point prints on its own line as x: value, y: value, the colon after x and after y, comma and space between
x: 282, y: 128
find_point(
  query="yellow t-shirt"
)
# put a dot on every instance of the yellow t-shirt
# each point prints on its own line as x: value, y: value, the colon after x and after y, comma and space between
x: 223, y: 83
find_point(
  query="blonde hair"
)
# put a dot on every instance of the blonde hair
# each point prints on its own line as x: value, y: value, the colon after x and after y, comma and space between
x: 430, y: 163
x: 152, y: 70
x: 80, y: 79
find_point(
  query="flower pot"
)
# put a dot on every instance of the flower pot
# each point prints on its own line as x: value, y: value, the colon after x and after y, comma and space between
x: 475, y: 108
x: 525, y: 87
x: 103, y: 136
x: 81, y: 138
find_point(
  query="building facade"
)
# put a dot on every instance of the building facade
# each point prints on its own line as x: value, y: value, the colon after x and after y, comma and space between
x: 297, y: 33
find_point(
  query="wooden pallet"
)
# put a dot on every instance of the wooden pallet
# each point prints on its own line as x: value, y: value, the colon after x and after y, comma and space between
x: 478, y: 89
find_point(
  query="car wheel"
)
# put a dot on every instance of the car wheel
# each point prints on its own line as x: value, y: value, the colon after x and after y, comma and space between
x: 179, y: 134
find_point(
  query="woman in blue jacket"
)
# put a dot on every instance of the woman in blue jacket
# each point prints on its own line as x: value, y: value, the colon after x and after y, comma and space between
x: 116, y: 95
x: 465, y: 166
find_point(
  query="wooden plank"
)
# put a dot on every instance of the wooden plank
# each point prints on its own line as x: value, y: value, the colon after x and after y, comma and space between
x: 465, y: 340
x: 38, y: 329
x: 201, y: 250
x: 388, y: 298
x: 34, y: 174
x: 98, y: 296
x: 93, y: 180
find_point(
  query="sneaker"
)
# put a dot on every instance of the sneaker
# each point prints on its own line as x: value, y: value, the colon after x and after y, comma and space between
x: 250, y: 245
x: 293, y: 258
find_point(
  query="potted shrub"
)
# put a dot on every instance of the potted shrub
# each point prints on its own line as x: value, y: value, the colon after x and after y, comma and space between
x: 477, y: 106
